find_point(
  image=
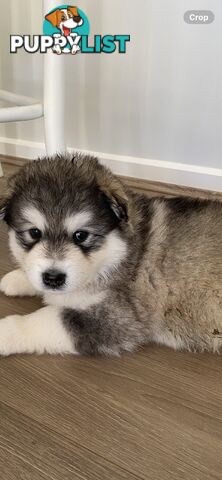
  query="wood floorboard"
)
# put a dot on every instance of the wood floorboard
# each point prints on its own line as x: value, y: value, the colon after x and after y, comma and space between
x: 153, y: 415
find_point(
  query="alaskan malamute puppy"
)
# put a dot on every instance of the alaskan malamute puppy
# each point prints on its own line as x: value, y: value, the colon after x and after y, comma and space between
x: 117, y: 270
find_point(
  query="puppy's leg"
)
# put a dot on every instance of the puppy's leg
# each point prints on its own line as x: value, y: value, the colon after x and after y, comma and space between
x: 39, y: 332
x: 16, y: 284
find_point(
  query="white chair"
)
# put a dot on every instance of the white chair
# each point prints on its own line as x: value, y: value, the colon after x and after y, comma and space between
x: 53, y: 113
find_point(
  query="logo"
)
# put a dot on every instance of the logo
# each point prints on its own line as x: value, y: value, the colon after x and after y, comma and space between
x: 66, y: 29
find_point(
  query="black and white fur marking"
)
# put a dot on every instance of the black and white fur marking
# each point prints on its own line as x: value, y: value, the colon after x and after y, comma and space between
x: 116, y: 270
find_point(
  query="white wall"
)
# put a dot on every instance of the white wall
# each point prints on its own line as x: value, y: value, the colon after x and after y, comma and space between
x: 160, y: 101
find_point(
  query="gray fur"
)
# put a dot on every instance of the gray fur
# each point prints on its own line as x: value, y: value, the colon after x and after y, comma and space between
x: 168, y: 289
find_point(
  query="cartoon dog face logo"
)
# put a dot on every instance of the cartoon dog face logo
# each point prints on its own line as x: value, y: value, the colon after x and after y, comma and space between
x: 65, y: 19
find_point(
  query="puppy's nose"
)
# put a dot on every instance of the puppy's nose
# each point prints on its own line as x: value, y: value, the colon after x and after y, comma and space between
x: 53, y: 278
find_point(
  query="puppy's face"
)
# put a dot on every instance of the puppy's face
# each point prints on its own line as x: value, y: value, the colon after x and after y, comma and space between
x: 67, y: 223
x: 65, y: 19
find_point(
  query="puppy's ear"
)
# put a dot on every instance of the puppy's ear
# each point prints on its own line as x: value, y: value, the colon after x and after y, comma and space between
x: 75, y: 13
x: 115, y: 195
x: 118, y: 205
x: 3, y: 207
x: 52, y: 18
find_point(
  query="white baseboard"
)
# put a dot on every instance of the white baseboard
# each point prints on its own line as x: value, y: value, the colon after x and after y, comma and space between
x: 21, y: 148
x: 182, y: 174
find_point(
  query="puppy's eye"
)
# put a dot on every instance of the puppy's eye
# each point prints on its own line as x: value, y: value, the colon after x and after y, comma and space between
x: 63, y: 18
x: 80, y: 236
x: 35, y: 233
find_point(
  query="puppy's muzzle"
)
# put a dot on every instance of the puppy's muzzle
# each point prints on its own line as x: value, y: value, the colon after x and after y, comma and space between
x: 54, y: 279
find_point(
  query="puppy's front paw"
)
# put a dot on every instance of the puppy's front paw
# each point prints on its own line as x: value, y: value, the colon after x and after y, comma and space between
x: 9, y: 334
x: 75, y: 49
x: 57, y: 49
x: 16, y: 284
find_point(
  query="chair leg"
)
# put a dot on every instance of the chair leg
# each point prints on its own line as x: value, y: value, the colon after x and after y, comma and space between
x: 54, y: 97
x: 54, y: 103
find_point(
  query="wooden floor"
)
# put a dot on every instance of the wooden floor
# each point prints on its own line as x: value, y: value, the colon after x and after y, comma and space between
x: 153, y: 415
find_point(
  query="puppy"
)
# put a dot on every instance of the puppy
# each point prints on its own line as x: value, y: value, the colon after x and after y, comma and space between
x: 65, y: 19
x: 116, y: 270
